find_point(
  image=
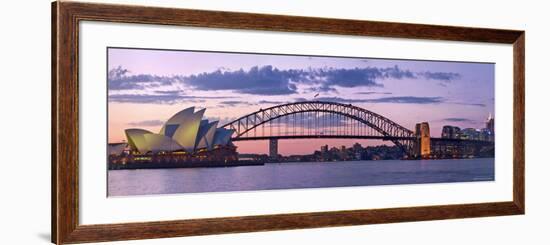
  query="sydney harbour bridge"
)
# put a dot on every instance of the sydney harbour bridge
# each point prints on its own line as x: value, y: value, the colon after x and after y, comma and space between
x: 331, y: 120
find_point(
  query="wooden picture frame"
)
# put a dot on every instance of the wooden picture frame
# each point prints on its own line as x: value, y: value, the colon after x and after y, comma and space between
x: 65, y: 121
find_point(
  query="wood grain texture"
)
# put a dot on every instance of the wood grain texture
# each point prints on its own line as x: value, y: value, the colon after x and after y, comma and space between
x: 149, y: 230
x: 54, y: 123
x: 519, y: 122
x: 65, y: 98
x: 65, y: 208
x: 234, y: 20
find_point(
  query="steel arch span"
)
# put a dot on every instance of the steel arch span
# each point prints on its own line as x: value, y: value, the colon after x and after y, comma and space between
x: 320, y: 119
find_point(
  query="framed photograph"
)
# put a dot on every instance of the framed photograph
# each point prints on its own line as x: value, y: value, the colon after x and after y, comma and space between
x: 175, y: 122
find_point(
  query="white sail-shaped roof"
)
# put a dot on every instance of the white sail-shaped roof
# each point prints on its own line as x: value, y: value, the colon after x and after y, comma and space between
x: 159, y: 142
x: 205, y: 136
x: 170, y: 126
x: 186, y: 133
x: 136, y: 139
x: 184, y: 130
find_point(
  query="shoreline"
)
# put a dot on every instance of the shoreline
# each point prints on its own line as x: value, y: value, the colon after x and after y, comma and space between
x: 150, y: 165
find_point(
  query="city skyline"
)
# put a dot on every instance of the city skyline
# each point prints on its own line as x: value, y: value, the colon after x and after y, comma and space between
x: 147, y: 86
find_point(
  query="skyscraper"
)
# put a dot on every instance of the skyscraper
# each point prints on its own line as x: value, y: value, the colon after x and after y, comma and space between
x: 490, y: 124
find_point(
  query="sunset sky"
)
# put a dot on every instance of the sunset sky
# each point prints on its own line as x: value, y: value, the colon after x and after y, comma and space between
x: 146, y: 87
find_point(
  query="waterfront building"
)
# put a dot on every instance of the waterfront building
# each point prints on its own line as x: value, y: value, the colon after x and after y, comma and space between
x: 324, y: 149
x: 450, y: 132
x: 470, y: 134
x: 486, y: 135
x: 357, y: 151
x: 185, y: 131
x: 490, y: 124
x: 357, y: 147
x: 357, y: 155
x: 116, y: 148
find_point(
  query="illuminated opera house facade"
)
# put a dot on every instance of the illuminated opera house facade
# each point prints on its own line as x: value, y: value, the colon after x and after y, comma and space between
x: 184, y: 138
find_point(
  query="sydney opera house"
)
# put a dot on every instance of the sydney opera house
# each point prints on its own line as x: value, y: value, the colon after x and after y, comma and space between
x: 184, y: 131
x: 185, y: 137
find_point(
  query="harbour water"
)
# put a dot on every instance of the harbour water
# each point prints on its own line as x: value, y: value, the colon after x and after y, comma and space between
x: 297, y: 176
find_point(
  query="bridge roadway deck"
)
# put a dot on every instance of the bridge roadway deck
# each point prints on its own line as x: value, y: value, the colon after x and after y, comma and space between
x: 322, y: 137
x: 352, y: 137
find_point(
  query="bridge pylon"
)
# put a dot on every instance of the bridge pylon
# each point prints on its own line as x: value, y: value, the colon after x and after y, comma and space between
x: 421, y: 146
x: 273, y: 148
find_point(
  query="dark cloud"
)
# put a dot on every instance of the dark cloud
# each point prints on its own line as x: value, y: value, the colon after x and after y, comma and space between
x: 370, y: 93
x: 475, y: 104
x: 119, y: 79
x: 323, y: 89
x: 269, y: 102
x: 458, y: 119
x: 159, y: 98
x: 268, y: 80
x: 118, y: 72
x: 146, y: 123
x: 396, y: 72
x: 334, y: 99
x: 440, y: 76
x: 235, y: 103
x: 349, y: 78
x: 408, y: 100
x: 395, y: 99
x: 170, y: 92
x: 264, y: 80
x: 470, y: 104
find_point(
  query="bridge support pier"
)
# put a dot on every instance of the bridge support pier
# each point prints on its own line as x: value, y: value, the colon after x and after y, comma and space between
x: 273, y: 148
x: 422, y: 147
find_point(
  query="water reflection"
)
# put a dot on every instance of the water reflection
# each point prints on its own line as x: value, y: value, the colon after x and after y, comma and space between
x: 297, y: 175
